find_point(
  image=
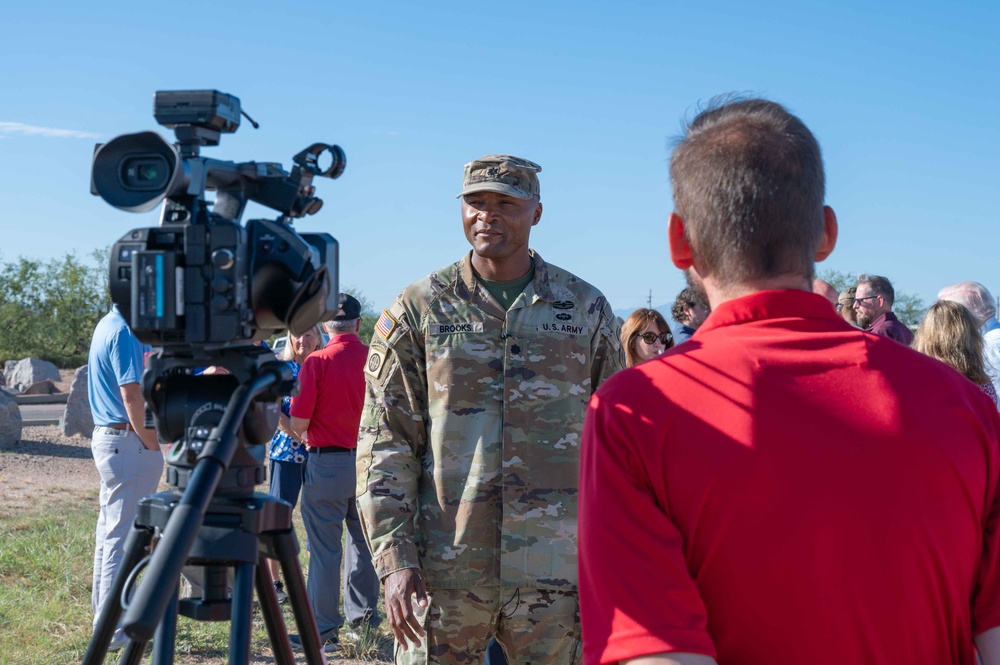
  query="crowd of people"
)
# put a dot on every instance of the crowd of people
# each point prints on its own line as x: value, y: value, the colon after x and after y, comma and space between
x: 960, y: 329
x: 786, y: 475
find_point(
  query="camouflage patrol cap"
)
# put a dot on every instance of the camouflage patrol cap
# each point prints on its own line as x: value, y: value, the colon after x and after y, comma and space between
x: 505, y: 174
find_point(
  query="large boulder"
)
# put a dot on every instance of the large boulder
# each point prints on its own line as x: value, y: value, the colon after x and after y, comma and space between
x: 76, y: 417
x: 46, y: 387
x: 10, y: 421
x: 21, y: 374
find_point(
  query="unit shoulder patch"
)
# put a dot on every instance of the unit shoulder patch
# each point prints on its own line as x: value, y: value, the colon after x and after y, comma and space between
x: 375, y: 366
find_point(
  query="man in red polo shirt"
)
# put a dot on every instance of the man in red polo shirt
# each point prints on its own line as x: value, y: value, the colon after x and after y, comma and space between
x: 325, y: 414
x: 783, y: 488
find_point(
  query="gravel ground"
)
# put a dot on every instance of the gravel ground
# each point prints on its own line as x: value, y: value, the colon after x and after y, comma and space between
x: 44, y: 463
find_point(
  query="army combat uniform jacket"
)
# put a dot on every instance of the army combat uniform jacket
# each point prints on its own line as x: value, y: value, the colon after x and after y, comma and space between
x: 468, y: 452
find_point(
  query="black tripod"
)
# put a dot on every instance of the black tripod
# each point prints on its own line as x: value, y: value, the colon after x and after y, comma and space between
x: 235, y: 530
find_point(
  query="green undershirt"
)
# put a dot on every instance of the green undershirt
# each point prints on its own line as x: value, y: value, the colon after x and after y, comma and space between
x: 507, y: 292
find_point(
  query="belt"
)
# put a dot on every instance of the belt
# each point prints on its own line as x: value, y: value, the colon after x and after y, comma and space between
x: 314, y: 450
x: 121, y: 426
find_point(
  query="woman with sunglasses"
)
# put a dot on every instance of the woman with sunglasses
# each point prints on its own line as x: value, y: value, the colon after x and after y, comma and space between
x: 645, y: 335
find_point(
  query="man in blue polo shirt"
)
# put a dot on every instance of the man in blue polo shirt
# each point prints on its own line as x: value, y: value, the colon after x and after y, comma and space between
x: 127, y: 454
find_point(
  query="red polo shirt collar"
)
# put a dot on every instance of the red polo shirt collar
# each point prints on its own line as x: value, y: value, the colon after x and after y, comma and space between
x: 784, y: 304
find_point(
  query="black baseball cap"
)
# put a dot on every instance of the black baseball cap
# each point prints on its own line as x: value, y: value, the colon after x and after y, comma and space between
x: 348, y: 308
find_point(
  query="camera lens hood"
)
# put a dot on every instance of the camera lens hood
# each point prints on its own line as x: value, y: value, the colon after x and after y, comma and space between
x: 135, y: 172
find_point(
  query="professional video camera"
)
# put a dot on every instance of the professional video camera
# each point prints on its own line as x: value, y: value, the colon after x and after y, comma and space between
x: 201, y: 288
x: 200, y: 277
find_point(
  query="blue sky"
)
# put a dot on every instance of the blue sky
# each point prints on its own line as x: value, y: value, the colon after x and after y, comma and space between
x: 903, y: 97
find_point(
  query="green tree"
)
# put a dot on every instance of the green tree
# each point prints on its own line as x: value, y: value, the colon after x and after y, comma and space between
x: 49, y: 310
x: 839, y: 280
x: 368, y: 314
x: 909, y: 309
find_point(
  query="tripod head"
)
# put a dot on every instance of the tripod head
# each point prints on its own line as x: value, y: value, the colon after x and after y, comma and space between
x: 186, y: 407
x: 203, y: 478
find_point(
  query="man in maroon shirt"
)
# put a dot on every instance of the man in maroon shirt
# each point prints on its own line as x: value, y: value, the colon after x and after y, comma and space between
x: 783, y: 488
x: 325, y: 414
x: 873, y: 304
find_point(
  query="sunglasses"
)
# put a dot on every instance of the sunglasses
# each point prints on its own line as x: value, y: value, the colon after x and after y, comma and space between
x: 650, y: 338
x: 865, y: 298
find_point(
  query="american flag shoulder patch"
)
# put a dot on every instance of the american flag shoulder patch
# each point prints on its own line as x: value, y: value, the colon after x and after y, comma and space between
x: 386, y: 324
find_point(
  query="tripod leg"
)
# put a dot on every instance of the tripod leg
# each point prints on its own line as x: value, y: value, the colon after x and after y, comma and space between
x: 271, y: 610
x: 287, y: 549
x: 166, y: 633
x: 239, y: 631
x: 134, y: 653
x: 136, y: 546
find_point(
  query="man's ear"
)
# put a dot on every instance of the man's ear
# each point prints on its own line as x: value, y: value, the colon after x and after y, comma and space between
x: 538, y: 214
x: 680, y: 249
x: 830, y: 230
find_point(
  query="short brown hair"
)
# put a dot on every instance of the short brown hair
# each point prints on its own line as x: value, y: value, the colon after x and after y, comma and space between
x: 634, y: 324
x: 748, y: 181
x: 880, y: 286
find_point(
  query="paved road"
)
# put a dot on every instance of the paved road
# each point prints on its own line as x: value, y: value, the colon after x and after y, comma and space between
x: 41, y: 414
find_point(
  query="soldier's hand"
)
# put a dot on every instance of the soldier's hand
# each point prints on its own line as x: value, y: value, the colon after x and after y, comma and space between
x: 399, y: 588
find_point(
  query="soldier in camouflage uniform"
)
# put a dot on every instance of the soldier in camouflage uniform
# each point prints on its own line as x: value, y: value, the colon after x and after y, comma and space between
x: 478, y: 380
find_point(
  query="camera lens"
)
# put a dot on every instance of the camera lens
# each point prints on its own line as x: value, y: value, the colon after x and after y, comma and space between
x: 148, y: 172
x: 144, y: 172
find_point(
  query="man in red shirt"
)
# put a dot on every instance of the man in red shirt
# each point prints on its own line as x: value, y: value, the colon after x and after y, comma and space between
x: 783, y: 488
x: 325, y: 414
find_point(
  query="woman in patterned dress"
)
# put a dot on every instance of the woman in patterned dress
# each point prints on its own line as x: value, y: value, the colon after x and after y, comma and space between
x: 286, y: 453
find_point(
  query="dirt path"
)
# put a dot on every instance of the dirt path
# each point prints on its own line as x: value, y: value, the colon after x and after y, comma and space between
x: 46, y: 466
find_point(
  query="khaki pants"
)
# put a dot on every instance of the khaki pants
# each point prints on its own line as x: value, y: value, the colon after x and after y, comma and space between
x: 532, y: 626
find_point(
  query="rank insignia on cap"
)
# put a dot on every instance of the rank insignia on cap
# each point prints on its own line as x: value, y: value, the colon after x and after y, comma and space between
x: 386, y: 324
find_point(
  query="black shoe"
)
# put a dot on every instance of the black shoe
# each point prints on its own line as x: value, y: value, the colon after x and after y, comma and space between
x: 330, y: 645
x: 279, y: 591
